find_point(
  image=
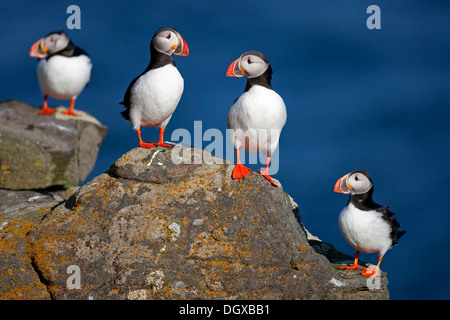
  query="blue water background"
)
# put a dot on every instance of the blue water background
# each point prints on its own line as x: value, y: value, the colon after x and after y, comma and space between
x: 356, y: 98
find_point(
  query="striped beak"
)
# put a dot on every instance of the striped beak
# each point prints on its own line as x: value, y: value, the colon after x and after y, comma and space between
x: 38, y: 50
x: 182, y: 48
x: 235, y: 70
x: 341, y: 185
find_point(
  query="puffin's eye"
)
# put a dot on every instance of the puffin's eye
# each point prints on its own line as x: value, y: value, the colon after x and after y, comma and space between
x: 356, y: 178
x: 249, y: 61
x: 168, y: 36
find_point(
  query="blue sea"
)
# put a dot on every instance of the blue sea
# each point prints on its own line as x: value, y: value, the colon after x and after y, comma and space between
x: 357, y: 98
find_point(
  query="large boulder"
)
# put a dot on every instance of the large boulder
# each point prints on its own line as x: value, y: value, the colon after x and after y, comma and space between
x: 38, y: 152
x: 21, y: 211
x: 159, y: 226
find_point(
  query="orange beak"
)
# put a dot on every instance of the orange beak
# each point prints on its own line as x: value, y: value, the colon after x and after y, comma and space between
x: 234, y: 70
x: 37, y: 50
x: 341, y: 185
x: 182, y: 49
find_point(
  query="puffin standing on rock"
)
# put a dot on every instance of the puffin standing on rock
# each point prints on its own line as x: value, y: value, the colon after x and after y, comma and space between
x: 63, y: 70
x: 152, y: 97
x: 258, y: 115
x: 368, y: 227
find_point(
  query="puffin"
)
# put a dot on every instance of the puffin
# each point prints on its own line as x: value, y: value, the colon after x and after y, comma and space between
x: 367, y: 226
x: 257, y: 117
x: 63, y: 69
x: 152, y: 97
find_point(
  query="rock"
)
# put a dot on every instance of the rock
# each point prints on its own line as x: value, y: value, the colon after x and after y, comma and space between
x: 353, y: 285
x: 159, y: 226
x: 38, y: 152
x: 20, y: 211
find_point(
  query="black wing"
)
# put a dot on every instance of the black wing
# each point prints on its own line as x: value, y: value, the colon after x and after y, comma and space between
x: 127, y: 97
x: 127, y: 100
x: 389, y: 217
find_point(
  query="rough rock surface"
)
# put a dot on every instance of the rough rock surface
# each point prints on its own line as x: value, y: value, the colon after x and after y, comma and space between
x: 156, y: 226
x: 37, y: 152
x: 20, y: 211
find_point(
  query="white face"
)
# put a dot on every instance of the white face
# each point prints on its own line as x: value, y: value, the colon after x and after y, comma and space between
x: 54, y: 42
x: 166, y: 42
x: 358, y: 183
x: 252, y: 66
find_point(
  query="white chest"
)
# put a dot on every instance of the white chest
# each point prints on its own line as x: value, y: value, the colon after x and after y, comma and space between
x: 256, y: 120
x: 258, y: 108
x: 365, y: 231
x: 64, y: 77
x: 155, y: 96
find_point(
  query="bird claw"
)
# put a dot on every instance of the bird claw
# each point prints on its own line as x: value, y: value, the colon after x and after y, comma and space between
x: 147, y: 145
x: 240, y: 171
x: 349, y: 267
x: 47, y: 111
x: 162, y: 144
x: 265, y: 175
x: 369, y: 272
x: 70, y: 112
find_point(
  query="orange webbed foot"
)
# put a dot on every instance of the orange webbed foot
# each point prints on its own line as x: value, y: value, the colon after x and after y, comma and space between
x: 70, y: 112
x: 354, y: 267
x: 369, y: 272
x: 240, y: 171
x: 47, y: 111
x: 147, y: 145
x: 265, y: 175
x: 162, y: 144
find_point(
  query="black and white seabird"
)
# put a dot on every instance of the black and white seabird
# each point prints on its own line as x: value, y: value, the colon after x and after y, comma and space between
x: 258, y: 115
x: 63, y: 70
x: 368, y: 227
x: 152, y: 97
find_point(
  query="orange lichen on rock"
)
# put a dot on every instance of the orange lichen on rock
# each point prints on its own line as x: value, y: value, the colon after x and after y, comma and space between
x: 153, y: 229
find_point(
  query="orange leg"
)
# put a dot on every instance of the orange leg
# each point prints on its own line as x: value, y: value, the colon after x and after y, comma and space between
x: 370, y: 272
x: 240, y: 170
x: 265, y: 172
x: 70, y: 111
x: 161, y: 140
x: 143, y: 144
x: 46, y: 110
x: 355, y: 263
